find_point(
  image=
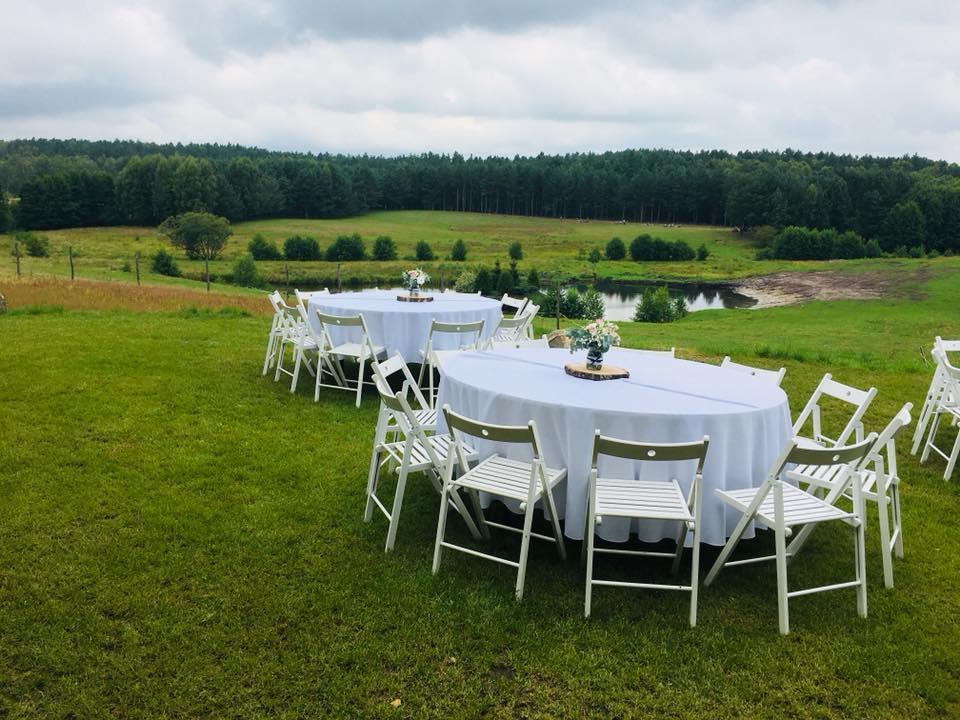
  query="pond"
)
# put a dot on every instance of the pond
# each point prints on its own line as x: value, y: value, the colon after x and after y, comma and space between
x: 620, y: 300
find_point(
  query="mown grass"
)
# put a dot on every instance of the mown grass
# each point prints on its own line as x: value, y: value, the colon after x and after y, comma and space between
x: 183, y: 538
x: 558, y: 248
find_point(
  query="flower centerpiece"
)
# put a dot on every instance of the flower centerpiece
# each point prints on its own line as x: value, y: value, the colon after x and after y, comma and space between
x: 596, y: 338
x: 414, y: 279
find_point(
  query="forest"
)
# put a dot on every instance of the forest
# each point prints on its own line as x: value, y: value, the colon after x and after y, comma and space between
x: 906, y: 202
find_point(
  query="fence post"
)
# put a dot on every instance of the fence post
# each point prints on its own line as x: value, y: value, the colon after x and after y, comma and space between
x: 16, y: 253
x: 136, y: 263
x: 70, y: 255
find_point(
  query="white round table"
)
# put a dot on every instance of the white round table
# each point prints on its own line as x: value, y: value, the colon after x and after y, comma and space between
x: 663, y: 400
x: 403, y: 326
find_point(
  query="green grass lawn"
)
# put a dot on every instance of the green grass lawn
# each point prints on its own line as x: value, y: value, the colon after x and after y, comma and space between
x: 558, y: 248
x: 183, y: 538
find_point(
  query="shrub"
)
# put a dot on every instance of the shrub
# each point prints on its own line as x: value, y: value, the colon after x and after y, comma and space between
x: 515, y: 251
x: 459, y: 251
x: 245, y: 272
x: 301, y: 247
x: 346, y: 248
x: 594, y: 256
x: 384, y: 248
x: 466, y: 282
x: 33, y: 245
x: 262, y: 249
x: 702, y: 252
x: 616, y: 250
x: 656, y: 306
x: 163, y: 263
x: 423, y: 251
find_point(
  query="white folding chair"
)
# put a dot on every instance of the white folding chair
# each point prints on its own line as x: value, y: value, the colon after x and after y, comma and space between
x: 297, y: 336
x: 407, y: 445
x: 396, y: 366
x: 880, y: 484
x: 361, y: 350
x: 650, y: 500
x: 276, y: 332
x: 517, y: 305
x: 830, y: 388
x: 468, y: 338
x: 949, y: 406
x: 527, y: 482
x: 781, y: 507
x: 774, y: 376
x: 935, y: 392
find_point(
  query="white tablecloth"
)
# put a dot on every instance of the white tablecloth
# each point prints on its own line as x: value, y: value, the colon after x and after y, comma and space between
x: 403, y: 326
x: 663, y: 400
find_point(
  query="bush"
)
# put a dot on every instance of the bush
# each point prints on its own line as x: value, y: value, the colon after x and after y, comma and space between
x: 33, y: 245
x: 656, y: 306
x: 616, y: 250
x: 702, y: 252
x: 594, y: 256
x: 245, y: 272
x: 346, y: 248
x: 466, y: 282
x: 262, y: 249
x: 163, y: 263
x: 423, y: 251
x: 384, y: 248
x: 301, y: 247
x: 459, y: 251
x: 645, y: 247
x: 515, y: 251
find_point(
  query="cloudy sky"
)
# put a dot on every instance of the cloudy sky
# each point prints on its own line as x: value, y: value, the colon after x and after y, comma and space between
x: 489, y: 76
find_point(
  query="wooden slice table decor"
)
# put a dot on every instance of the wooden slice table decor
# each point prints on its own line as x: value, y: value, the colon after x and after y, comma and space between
x: 606, y: 372
x: 415, y: 298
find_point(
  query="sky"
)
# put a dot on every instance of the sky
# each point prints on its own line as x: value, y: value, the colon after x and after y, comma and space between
x: 489, y: 77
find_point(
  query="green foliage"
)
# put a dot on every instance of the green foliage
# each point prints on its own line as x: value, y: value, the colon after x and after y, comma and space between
x: 702, y: 252
x: 459, y: 250
x: 423, y: 251
x: 201, y: 235
x: 615, y: 250
x: 32, y: 244
x: 346, y: 248
x: 594, y: 256
x: 656, y: 306
x: 163, y: 263
x: 262, y: 249
x: 384, y: 248
x: 645, y: 247
x: 301, y: 247
x: 245, y: 273
x: 515, y: 251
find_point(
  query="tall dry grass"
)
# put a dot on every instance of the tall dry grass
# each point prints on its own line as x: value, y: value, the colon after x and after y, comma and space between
x: 104, y: 295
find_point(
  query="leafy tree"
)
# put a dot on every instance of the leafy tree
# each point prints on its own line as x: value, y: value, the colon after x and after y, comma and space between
x: 515, y: 251
x: 262, y: 249
x: 301, y: 247
x: 245, y: 272
x: 200, y: 234
x: 384, y: 248
x: 615, y: 249
x: 423, y: 251
x: 346, y: 248
x: 459, y: 250
x: 163, y: 263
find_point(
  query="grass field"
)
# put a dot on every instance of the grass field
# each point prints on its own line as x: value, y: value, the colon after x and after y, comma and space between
x: 558, y: 248
x: 183, y: 538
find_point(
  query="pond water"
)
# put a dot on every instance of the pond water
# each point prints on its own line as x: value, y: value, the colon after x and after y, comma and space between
x: 620, y: 300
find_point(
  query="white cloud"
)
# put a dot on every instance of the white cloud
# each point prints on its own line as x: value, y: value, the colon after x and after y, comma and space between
x: 857, y: 77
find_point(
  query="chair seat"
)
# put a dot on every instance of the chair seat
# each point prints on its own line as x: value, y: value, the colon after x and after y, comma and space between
x: 799, y: 507
x: 507, y: 478
x: 641, y: 499
x: 356, y: 350
x: 419, y: 458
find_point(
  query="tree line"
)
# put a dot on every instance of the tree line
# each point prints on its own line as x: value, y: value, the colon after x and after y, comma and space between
x: 907, y: 201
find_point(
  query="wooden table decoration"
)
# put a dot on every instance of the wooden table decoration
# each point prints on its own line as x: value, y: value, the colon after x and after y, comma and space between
x: 607, y: 372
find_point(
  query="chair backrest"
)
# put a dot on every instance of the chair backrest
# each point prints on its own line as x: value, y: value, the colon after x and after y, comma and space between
x: 774, y: 376
x: 650, y: 452
x: 829, y: 387
x: 392, y: 366
x: 517, y: 305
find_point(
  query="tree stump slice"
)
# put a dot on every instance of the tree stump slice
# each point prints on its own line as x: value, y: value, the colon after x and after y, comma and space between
x: 415, y: 298
x: 607, y: 372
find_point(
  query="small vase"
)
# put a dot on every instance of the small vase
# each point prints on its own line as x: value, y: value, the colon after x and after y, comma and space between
x: 594, y: 358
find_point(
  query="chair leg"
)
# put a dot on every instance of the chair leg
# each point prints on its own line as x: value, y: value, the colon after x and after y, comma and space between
x: 524, y: 549
x: 588, y: 539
